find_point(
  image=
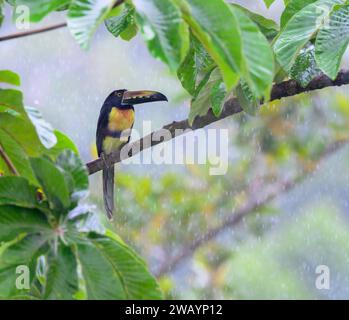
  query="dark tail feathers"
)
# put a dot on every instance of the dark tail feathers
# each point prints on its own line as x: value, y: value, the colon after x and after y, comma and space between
x: 108, y: 191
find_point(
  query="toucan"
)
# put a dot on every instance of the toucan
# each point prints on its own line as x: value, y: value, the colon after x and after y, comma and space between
x: 114, y: 127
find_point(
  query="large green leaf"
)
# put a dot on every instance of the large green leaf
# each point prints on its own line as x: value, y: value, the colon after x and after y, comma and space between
x: 163, y: 30
x: 267, y: 26
x: 53, y: 183
x: 16, y: 220
x: 62, y: 278
x: 195, y: 65
x: 113, y: 271
x: 17, y: 156
x: 43, y: 129
x: 17, y: 191
x: 257, y: 56
x: 20, y: 128
x: 300, y: 29
x: 22, y: 253
x: 215, y: 25
x: 40, y: 8
x: 8, y: 76
x: 84, y: 17
x: 75, y: 173
x: 292, y: 8
x: 332, y: 41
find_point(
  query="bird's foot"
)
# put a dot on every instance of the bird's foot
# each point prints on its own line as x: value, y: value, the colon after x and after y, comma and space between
x: 104, y: 159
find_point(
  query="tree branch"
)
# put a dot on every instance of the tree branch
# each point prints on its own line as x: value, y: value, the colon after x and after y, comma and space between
x: 231, y: 107
x: 44, y: 29
x: 235, y: 218
x: 8, y: 161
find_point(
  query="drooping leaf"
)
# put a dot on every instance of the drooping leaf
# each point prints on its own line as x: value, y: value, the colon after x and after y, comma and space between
x: 257, y: 56
x: 52, y: 182
x: 8, y: 76
x: 267, y: 26
x: 305, y: 68
x: 84, y: 17
x: 217, y: 29
x: 332, y: 41
x: 300, y: 29
x: 17, y: 220
x: 116, y: 24
x: 195, y: 65
x: 43, y: 128
x: 203, y: 101
x: 40, y: 8
x: 163, y: 30
x: 134, y: 278
x: 62, y: 278
x: 248, y: 101
x: 75, y: 172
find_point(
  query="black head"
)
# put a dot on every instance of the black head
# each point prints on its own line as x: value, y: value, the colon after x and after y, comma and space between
x: 124, y: 98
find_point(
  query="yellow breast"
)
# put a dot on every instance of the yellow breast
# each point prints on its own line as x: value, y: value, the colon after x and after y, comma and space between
x: 120, y: 119
x: 111, y: 144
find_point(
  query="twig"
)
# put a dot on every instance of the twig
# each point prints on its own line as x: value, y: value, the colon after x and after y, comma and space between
x: 8, y: 161
x: 44, y: 29
x: 235, y: 218
x: 231, y: 107
x: 32, y: 32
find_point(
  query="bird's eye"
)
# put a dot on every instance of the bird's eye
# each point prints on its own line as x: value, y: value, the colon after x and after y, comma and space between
x: 119, y: 94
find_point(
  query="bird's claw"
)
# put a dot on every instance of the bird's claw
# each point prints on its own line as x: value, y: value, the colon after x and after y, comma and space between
x: 104, y: 159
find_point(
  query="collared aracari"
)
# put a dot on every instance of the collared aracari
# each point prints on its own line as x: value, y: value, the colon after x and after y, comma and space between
x: 114, y: 127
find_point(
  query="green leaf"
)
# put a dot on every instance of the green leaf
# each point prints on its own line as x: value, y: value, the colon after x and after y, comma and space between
x: 8, y: 76
x: 119, y: 23
x: 215, y: 25
x: 84, y: 17
x: 332, y: 42
x: 20, y: 128
x: 267, y: 26
x: 16, y: 220
x: 292, y: 8
x: 218, y: 94
x: 40, y: 8
x: 300, y: 29
x: 53, y: 183
x: 128, y: 275
x: 130, y: 32
x: 163, y: 30
x: 63, y: 143
x: 258, y: 56
x: 62, y: 278
x: 248, y: 101
x: 195, y: 65
x: 17, y: 191
x: 22, y: 253
x: 268, y: 3
x: 1, y: 14
x: 75, y: 172
x: 44, y: 129
x: 203, y: 101
x: 305, y: 68
x: 18, y: 157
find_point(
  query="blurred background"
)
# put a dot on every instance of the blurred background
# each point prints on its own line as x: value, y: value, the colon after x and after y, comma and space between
x: 258, y: 232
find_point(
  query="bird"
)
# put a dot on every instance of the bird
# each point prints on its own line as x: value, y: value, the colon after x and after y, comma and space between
x: 114, y: 127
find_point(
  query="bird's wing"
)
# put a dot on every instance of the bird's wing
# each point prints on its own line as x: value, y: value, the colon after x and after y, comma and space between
x: 100, y: 134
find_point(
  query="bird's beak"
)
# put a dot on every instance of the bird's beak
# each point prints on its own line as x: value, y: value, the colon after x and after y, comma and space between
x: 144, y: 96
